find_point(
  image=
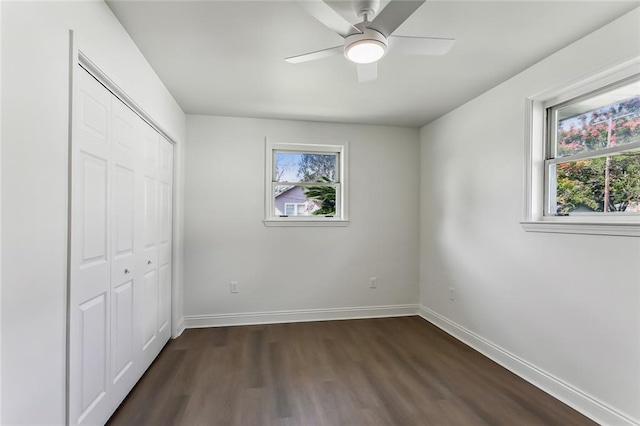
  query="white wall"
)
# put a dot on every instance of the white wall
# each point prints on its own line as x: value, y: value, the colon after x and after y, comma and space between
x: 297, y: 268
x: 35, y: 52
x: 567, y: 304
x: 0, y: 212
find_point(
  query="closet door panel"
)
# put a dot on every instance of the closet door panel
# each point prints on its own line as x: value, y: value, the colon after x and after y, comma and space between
x: 151, y: 154
x: 122, y: 321
x: 165, y: 214
x: 89, y: 295
x: 120, y: 251
x: 151, y: 213
x: 126, y: 133
x: 124, y: 190
x: 150, y: 309
x: 93, y: 204
x: 165, y: 177
x: 164, y: 302
x: 93, y: 314
x: 151, y: 228
x: 164, y: 258
x: 164, y: 241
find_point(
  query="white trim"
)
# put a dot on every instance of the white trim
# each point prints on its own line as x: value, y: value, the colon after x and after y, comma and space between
x: 625, y: 229
x: 179, y: 328
x: 111, y: 85
x: 554, y: 386
x: 533, y: 205
x: 73, y: 61
x: 609, y: 151
x: 307, y: 145
x: 303, y: 221
x: 303, y: 315
x: 589, y: 83
x: 0, y: 218
x: 177, y: 240
x: 533, y: 218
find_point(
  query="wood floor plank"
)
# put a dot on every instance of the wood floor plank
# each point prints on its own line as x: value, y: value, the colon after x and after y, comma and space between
x: 392, y: 371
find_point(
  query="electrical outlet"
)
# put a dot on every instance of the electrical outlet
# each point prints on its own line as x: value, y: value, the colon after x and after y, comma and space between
x: 373, y: 282
x: 452, y: 293
x: 234, y: 287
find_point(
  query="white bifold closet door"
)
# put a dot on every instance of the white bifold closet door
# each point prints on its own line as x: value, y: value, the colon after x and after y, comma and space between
x: 120, y: 255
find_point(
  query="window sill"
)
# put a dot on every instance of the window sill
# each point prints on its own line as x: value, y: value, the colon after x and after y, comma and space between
x: 305, y: 222
x: 622, y: 229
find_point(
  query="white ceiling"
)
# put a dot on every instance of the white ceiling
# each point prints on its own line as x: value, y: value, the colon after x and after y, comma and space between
x: 226, y: 57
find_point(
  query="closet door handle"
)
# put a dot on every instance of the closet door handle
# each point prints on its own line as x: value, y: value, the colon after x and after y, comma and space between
x: 126, y: 271
x: 148, y: 262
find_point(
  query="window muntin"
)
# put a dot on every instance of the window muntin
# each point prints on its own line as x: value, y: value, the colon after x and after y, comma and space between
x: 305, y: 183
x: 593, y: 161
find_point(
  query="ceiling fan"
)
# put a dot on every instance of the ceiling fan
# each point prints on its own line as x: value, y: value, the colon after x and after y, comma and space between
x: 367, y: 42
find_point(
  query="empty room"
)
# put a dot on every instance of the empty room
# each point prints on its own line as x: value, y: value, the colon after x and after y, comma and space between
x: 320, y: 212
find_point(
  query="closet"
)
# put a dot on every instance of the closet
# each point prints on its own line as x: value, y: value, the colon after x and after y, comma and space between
x: 120, y: 250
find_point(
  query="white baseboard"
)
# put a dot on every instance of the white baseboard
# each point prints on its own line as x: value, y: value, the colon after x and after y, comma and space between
x: 305, y: 315
x: 578, y: 400
x: 179, y: 328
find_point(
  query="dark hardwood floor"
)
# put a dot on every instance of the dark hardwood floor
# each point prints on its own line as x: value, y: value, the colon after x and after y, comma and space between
x: 389, y: 371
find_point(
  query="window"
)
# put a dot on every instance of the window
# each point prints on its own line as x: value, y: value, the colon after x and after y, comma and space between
x: 593, y: 153
x: 294, y: 209
x: 305, y: 183
x: 583, y: 168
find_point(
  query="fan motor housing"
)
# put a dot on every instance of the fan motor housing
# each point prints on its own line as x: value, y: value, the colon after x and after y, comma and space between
x: 369, y: 37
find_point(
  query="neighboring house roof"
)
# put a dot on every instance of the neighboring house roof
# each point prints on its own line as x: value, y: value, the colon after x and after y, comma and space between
x: 283, y: 189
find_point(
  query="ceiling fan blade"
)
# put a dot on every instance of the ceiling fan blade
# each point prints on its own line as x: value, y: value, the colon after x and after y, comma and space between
x: 329, y: 17
x: 420, y: 45
x: 313, y: 56
x: 393, y: 15
x: 367, y: 72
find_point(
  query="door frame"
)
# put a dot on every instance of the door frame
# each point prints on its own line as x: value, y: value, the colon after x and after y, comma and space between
x: 0, y: 219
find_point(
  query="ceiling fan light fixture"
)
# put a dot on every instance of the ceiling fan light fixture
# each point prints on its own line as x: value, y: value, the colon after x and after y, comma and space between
x: 365, y: 48
x: 365, y: 51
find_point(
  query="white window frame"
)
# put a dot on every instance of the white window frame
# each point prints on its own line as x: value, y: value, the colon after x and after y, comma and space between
x: 306, y: 145
x: 535, y: 182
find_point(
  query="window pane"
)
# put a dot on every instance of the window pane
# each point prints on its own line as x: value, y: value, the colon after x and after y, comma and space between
x: 295, y: 200
x: 605, y: 120
x: 288, y: 209
x: 604, y: 184
x: 305, y: 167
